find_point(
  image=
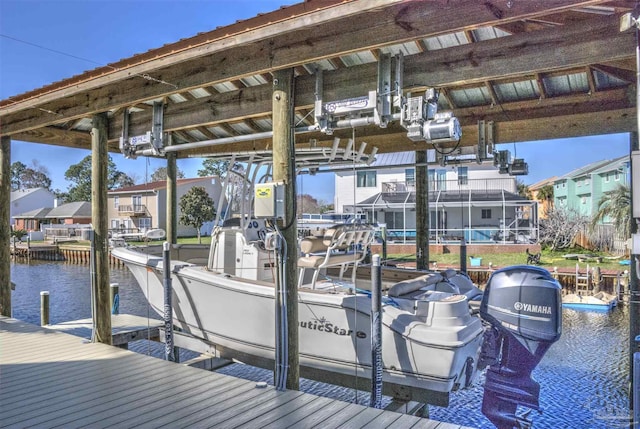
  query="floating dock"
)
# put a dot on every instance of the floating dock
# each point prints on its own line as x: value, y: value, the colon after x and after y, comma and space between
x: 53, y: 379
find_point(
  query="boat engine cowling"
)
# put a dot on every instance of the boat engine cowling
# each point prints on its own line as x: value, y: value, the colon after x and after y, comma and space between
x: 522, y: 307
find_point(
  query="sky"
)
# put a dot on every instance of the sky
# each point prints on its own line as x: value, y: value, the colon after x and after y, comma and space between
x: 46, y: 41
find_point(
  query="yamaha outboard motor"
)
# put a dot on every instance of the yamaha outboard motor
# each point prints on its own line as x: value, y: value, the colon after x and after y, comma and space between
x: 523, y: 306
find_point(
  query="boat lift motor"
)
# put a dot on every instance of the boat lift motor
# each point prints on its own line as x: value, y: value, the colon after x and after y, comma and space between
x: 423, y: 123
x: 523, y: 307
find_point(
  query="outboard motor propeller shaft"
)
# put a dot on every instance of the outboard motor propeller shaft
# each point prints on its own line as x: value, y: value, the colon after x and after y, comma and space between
x: 523, y: 306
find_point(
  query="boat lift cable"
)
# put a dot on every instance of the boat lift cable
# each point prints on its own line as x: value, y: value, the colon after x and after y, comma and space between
x: 355, y: 302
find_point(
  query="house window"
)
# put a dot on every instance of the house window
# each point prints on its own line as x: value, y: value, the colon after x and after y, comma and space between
x: 144, y: 223
x: 463, y: 175
x: 394, y: 220
x: 136, y: 200
x: 616, y: 176
x: 583, y: 200
x: 410, y: 176
x: 366, y: 179
x: 116, y: 201
x: 606, y: 178
x: 486, y: 213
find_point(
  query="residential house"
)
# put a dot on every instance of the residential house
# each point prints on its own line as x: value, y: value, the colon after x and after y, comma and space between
x: 25, y: 200
x: 470, y: 200
x: 580, y: 190
x: 33, y: 220
x: 544, y: 205
x: 66, y: 220
x: 139, y: 208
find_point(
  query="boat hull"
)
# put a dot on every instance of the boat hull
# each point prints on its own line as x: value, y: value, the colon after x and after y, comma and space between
x: 601, y: 301
x: 436, y: 351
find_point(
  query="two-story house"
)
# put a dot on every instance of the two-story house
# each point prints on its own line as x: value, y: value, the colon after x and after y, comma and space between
x: 473, y: 201
x: 142, y: 207
x: 581, y: 190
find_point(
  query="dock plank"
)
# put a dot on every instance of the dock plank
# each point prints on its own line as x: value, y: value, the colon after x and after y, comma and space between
x: 299, y: 414
x: 351, y: 410
x: 325, y: 414
x: 254, y: 410
x: 199, y: 418
x: 52, y: 379
x: 272, y: 415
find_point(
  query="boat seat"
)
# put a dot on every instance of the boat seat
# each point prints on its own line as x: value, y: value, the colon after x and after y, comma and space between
x: 407, y: 287
x: 341, y: 246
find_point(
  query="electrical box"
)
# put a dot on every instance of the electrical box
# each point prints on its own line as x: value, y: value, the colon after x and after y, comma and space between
x: 269, y: 200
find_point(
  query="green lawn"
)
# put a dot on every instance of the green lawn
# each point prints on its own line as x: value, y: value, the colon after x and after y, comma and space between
x: 549, y: 259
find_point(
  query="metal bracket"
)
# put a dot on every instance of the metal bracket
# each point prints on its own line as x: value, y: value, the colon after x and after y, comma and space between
x: 157, y: 129
x: 382, y: 112
x: 150, y: 143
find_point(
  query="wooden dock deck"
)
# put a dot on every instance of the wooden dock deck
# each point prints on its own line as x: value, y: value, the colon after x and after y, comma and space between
x: 53, y: 379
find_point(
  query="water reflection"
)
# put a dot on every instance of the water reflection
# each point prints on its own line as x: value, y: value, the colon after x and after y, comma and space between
x: 583, y: 377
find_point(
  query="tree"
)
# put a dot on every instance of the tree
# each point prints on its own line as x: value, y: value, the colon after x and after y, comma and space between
x: 523, y: 190
x: 545, y: 193
x: 615, y: 206
x: 560, y: 228
x: 160, y: 174
x: 23, y: 177
x: 213, y: 167
x: 307, y: 204
x: 17, y: 168
x: 325, y: 206
x: 196, y: 207
x: 80, y: 175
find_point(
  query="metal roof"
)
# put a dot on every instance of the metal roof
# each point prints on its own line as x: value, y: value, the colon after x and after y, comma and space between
x: 442, y: 197
x: 584, y: 170
x: 560, y: 65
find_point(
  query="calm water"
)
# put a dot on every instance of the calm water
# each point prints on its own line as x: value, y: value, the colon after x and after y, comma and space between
x: 583, y: 377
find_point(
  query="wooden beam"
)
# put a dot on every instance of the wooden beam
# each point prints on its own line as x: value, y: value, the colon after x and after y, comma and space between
x: 376, y: 24
x: 5, y: 226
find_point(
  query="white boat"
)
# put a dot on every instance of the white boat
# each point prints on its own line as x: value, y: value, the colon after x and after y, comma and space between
x: 225, y: 297
x: 600, y: 301
x: 588, y: 295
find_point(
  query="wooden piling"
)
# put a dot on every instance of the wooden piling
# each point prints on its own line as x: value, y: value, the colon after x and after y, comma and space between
x: 115, y: 298
x: 99, y: 161
x: 284, y: 171
x: 422, y: 210
x: 44, y: 308
x: 5, y: 226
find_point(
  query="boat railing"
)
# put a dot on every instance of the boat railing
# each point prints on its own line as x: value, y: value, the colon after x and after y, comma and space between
x: 343, y: 246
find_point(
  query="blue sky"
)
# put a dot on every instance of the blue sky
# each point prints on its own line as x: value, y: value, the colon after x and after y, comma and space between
x: 105, y: 31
